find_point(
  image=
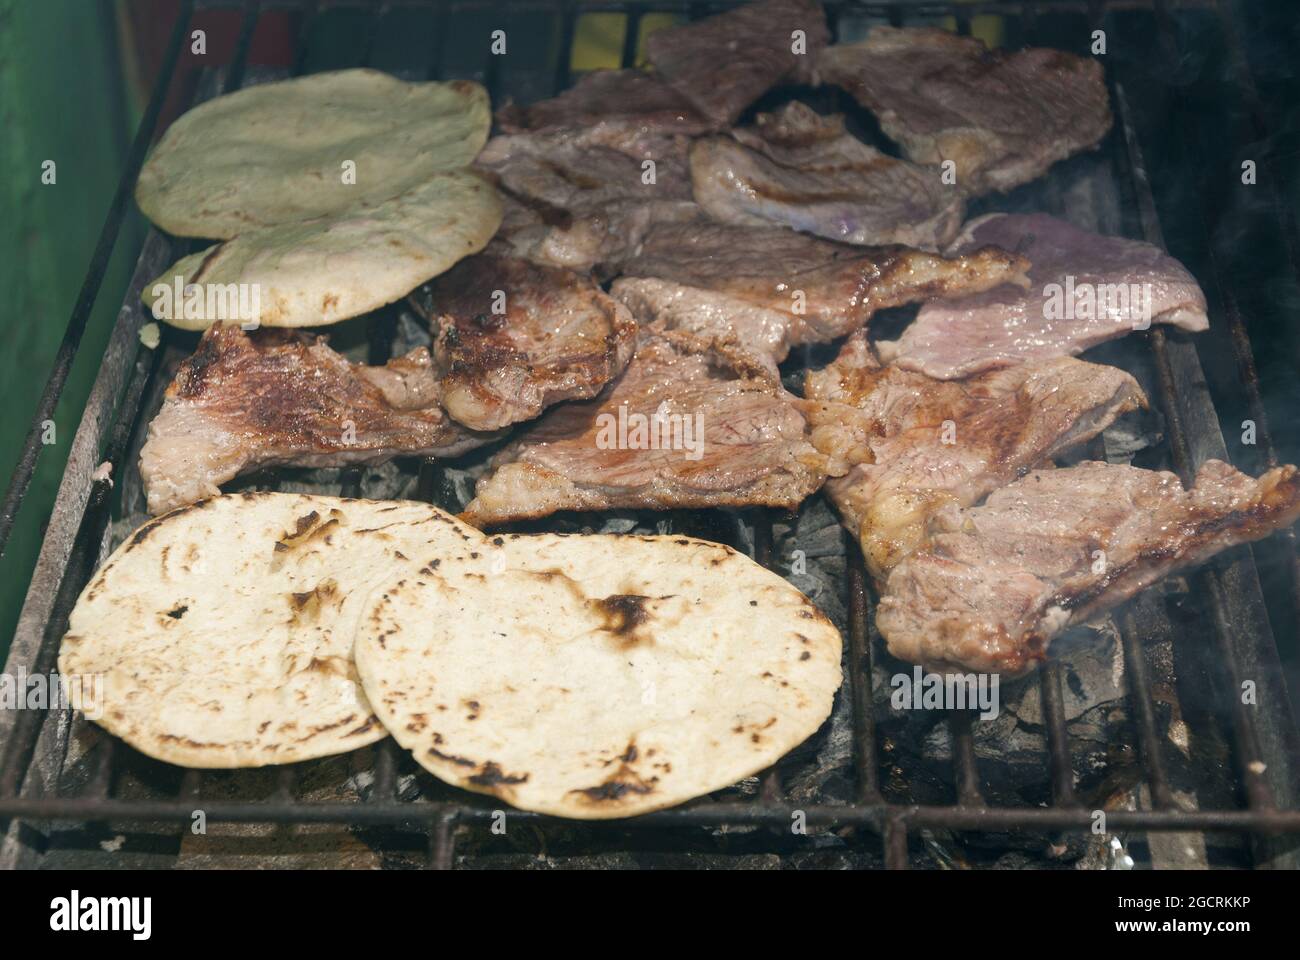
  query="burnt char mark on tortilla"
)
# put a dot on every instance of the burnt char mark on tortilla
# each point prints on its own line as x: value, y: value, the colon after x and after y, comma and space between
x: 623, y: 613
x: 451, y: 758
x: 624, y: 782
x: 307, y: 528
x: 491, y: 775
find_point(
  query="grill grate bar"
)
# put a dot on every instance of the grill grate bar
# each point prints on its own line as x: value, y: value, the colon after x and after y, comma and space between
x: 631, y: 37
x: 311, y: 16
x: 384, y: 788
x: 568, y: 27
x: 1135, y: 665
x: 873, y: 816
x: 861, y: 681
x: 960, y: 724
x: 442, y: 842
x: 247, y: 27
x: 1058, y: 745
x: 896, y: 844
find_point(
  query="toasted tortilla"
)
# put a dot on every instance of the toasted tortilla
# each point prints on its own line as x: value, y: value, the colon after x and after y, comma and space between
x: 222, y: 632
x: 321, y: 271
x: 275, y: 152
x: 596, y: 676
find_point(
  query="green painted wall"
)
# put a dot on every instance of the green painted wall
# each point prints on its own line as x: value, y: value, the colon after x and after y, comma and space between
x: 61, y: 99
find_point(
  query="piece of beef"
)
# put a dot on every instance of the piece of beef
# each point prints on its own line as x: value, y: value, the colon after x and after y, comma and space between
x: 631, y: 111
x: 1084, y: 288
x: 901, y: 445
x: 515, y: 337
x: 768, y: 288
x: 283, y: 398
x: 724, y: 63
x: 689, y: 424
x: 997, y: 583
x: 1002, y: 117
x: 582, y: 206
x: 805, y: 171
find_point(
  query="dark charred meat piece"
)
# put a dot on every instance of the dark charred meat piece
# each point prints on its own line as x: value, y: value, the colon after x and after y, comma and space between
x: 768, y: 288
x: 997, y: 583
x: 724, y: 63
x: 241, y: 403
x: 629, y: 110
x: 1084, y: 288
x: 582, y: 206
x: 689, y: 424
x: 901, y: 445
x: 806, y: 172
x: 1002, y: 118
x: 516, y: 337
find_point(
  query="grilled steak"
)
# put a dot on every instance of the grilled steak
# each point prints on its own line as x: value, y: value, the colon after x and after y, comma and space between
x: 580, y: 206
x: 1002, y: 118
x: 689, y: 424
x: 805, y: 171
x: 910, y: 444
x: 768, y: 288
x: 724, y: 63
x: 241, y: 403
x: 516, y: 338
x: 997, y: 583
x: 1083, y: 289
x: 629, y: 110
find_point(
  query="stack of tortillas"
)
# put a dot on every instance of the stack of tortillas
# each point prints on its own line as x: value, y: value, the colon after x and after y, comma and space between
x: 337, y: 193
x: 583, y: 676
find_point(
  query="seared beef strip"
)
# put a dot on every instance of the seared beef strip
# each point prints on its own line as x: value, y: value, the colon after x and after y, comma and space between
x: 805, y: 171
x: 241, y: 403
x: 910, y: 444
x: 689, y: 424
x: 997, y: 583
x: 724, y: 63
x: 516, y: 337
x: 768, y: 288
x: 1002, y: 118
x: 1131, y: 285
x: 581, y: 206
x: 632, y: 111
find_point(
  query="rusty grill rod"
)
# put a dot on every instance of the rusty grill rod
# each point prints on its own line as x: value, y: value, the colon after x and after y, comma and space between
x: 874, y: 817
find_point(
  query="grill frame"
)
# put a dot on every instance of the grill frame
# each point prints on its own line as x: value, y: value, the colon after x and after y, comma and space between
x: 1264, y: 746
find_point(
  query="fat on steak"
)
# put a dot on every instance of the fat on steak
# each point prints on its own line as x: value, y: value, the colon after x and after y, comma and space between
x: 767, y: 289
x: 996, y: 583
x: 1084, y: 288
x: 901, y: 446
x: 1001, y: 117
x: 281, y: 398
x: 724, y: 63
x: 515, y: 337
x: 805, y: 171
x: 689, y: 424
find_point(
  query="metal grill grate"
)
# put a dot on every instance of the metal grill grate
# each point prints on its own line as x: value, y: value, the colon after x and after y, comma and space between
x: 1263, y: 739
